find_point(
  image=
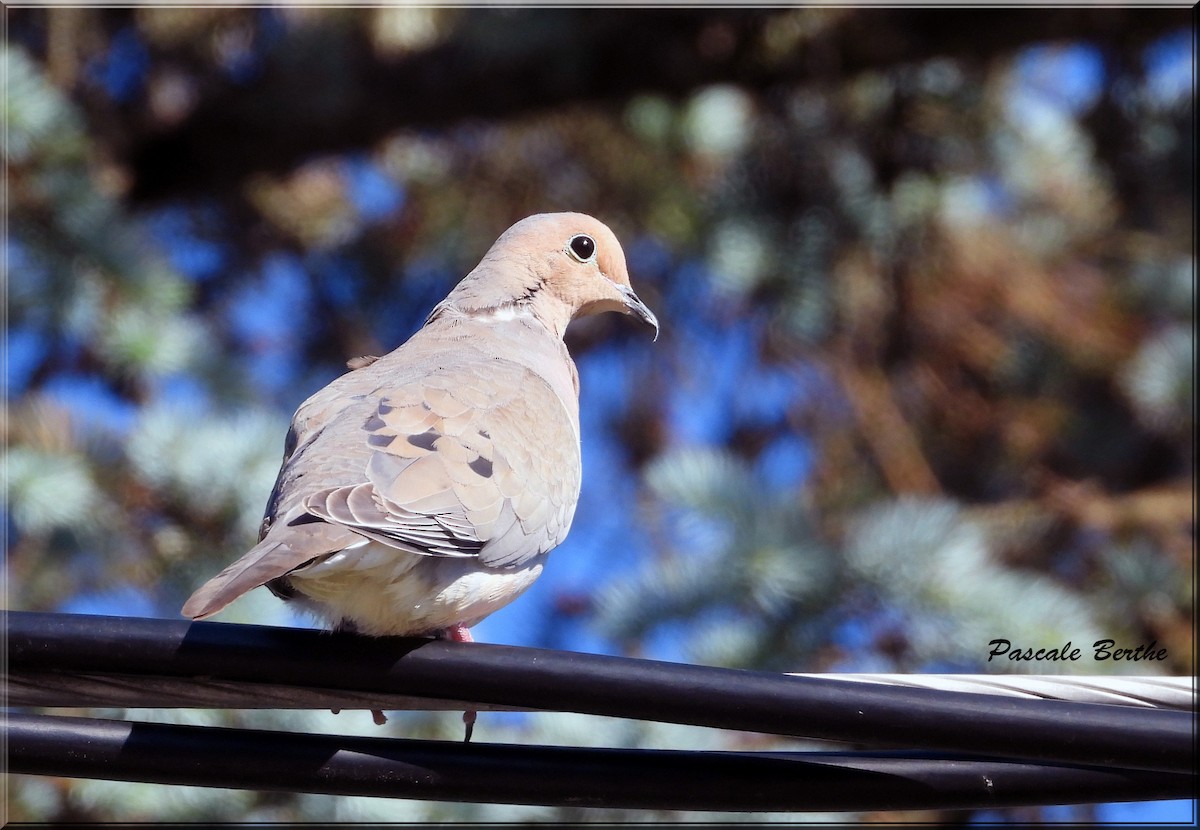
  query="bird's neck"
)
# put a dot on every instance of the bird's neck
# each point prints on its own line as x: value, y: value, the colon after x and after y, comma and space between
x: 552, y: 313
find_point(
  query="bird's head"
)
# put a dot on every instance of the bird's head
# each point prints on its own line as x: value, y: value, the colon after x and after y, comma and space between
x: 559, y: 266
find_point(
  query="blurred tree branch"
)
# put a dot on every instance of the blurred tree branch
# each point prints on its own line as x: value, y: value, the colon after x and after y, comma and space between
x: 499, y: 63
x: 883, y: 426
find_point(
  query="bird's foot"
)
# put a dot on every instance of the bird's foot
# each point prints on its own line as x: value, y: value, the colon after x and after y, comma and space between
x: 469, y: 721
x: 459, y: 634
x: 462, y: 634
x: 377, y: 715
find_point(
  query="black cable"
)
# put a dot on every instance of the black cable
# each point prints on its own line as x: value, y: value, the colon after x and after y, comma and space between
x: 1055, y: 731
x: 558, y: 776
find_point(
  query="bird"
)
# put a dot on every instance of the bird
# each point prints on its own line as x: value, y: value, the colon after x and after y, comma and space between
x: 423, y: 489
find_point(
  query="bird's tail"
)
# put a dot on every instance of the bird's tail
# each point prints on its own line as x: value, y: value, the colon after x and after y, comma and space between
x: 262, y: 563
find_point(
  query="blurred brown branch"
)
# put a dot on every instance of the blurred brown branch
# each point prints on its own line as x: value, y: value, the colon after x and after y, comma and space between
x: 355, y: 93
x: 883, y: 426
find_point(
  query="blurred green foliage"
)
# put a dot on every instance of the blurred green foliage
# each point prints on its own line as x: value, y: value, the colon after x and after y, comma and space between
x: 926, y: 373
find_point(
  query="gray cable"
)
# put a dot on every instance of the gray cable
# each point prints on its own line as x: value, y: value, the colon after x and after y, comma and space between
x: 1143, y: 691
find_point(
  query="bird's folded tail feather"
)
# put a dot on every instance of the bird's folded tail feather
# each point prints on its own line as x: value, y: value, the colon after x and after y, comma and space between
x: 266, y: 561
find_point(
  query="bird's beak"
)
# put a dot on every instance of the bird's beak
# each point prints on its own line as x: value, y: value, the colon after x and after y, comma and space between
x: 636, y: 307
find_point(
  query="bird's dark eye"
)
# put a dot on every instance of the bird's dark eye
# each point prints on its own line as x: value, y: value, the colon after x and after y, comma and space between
x: 582, y: 247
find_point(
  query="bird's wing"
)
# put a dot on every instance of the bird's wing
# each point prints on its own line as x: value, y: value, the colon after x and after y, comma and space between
x: 480, y: 459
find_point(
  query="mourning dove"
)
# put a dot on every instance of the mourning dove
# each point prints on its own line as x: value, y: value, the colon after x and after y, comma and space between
x: 424, y: 489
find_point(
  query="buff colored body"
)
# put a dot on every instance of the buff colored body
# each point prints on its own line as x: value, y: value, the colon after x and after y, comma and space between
x: 423, y: 491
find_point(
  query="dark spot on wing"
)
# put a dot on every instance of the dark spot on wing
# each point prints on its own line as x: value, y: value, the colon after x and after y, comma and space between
x: 482, y: 466
x: 380, y: 440
x: 425, y: 439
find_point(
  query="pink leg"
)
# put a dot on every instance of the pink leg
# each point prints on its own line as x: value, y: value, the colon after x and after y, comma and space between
x: 459, y: 634
x: 462, y: 634
x: 348, y: 625
x: 376, y: 714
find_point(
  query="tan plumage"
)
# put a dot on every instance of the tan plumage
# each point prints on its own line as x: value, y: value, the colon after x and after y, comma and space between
x: 423, y: 490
